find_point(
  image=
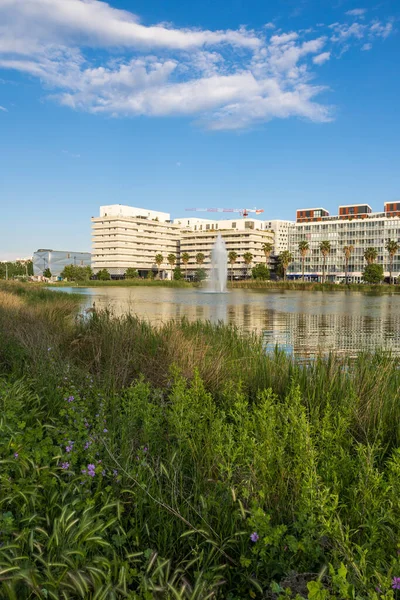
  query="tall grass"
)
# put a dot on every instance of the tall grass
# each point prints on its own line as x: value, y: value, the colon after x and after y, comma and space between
x: 215, y: 470
x: 313, y: 286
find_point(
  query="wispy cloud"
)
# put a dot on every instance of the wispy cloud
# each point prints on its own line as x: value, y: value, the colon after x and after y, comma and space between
x: 2, y: 108
x: 320, y: 59
x: 225, y: 79
x: 71, y: 154
x: 366, y: 47
x: 356, y: 12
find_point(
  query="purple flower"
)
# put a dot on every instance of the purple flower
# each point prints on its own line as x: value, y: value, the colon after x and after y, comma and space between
x: 87, y: 445
x: 70, y: 399
x: 91, y: 470
x: 105, y: 430
x: 254, y: 537
x: 68, y: 448
x: 103, y: 473
x: 83, y: 471
x: 396, y: 583
x: 16, y: 454
x: 115, y: 472
x: 65, y: 465
x: 48, y: 349
x: 145, y: 449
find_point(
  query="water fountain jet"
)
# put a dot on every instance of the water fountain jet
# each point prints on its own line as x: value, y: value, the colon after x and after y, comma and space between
x: 219, y: 267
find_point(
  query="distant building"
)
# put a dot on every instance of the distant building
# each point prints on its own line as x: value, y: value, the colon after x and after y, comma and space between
x: 355, y: 225
x: 56, y: 260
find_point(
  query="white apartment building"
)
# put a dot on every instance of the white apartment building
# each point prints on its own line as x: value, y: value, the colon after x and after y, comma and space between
x: 125, y: 236
x: 355, y: 225
x: 240, y: 236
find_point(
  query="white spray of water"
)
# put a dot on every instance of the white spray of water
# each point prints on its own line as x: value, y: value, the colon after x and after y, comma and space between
x: 219, y: 266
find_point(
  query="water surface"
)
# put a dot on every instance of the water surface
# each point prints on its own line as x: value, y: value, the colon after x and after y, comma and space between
x: 302, y: 322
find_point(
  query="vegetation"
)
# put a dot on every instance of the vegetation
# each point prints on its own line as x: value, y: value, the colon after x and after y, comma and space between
x: 171, y: 258
x: 74, y: 273
x: 16, y: 269
x: 183, y: 462
x: 178, y: 275
x: 373, y: 273
x: 285, y: 258
x: 260, y: 271
x: 200, y: 258
x: 232, y: 258
x: 325, y: 248
x: 370, y: 255
x: 159, y: 259
x: 131, y: 273
x: 103, y: 275
x: 267, y: 249
x: 185, y: 260
x: 248, y: 259
x: 304, y: 247
x: 392, y: 247
x: 200, y: 275
x: 47, y: 273
x: 347, y: 251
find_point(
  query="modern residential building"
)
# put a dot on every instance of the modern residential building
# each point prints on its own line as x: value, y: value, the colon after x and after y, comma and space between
x: 126, y: 236
x: 56, y: 260
x: 355, y: 225
x: 241, y: 236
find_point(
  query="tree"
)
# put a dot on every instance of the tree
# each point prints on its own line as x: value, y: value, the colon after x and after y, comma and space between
x: 103, y: 275
x: 200, y: 258
x: 325, y: 248
x: 371, y: 255
x: 267, y: 249
x: 373, y: 273
x: 47, y: 273
x: 171, y: 258
x: 200, y: 275
x: 347, y: 251
x: 303, y: 249
x: 392, y: 247
x: 73, y: 273
x: 131, y: 273
x: 248, y: 259
x: 178, y: 274
x: 285, y: 258
x: 185, y: 259
x: 232, y: 258
x: 159, y: 259
x: 260, y: 271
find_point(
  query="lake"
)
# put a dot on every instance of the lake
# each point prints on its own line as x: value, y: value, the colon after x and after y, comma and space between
x: 303, y: 323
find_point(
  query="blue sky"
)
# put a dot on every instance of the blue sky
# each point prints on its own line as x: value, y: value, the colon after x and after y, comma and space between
x: 166, y: 105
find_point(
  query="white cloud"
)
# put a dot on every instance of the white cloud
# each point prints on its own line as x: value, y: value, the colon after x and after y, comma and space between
x: 92, y: 57
x: 71, y: 154
x: 3, y: 109
x: 366, y: 47
x: 356, y: 12
x: 320, y: 59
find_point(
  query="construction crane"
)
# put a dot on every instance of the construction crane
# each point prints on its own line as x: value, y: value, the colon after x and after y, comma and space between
x: 243, y: 211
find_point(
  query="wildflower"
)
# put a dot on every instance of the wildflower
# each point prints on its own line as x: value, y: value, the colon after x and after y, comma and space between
x: 145, y: 449
x: 87, y: 445
x: 103, y: 473
x: 65, y: 465
x: 68, y: 448
x: 71, y: 399
x: 115, y: 472
x: 396, y: 583
x: 16, y: 454
x: 83, y: 471
x: 105, y: 430
x: 254, y: 536
x: 48, y: 349
x: 91, y: 470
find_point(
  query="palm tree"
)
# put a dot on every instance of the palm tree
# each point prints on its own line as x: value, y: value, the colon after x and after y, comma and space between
x: 347, y: 251
x: 185, y: 259
x: 285, y: 258
x: 159, y: 261
x: 232, y: 258
x: 171, y: 258
x: 325, y: 248
x: 371, y: 255
x: 392, y: 247
x: 303, y: 249
x: 267, y: 249
x: 247, y: 257
x: 200, y: 258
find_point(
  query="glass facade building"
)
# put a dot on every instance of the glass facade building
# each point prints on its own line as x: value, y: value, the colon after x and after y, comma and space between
x: 56, y: 260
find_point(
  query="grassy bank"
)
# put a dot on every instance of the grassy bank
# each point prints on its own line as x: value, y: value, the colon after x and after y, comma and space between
x: 311, y: 286
x: 126, y: 283
x: 181, y: 462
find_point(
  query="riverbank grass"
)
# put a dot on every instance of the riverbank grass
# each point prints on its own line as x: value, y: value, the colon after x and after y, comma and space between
x: 180, y: 461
